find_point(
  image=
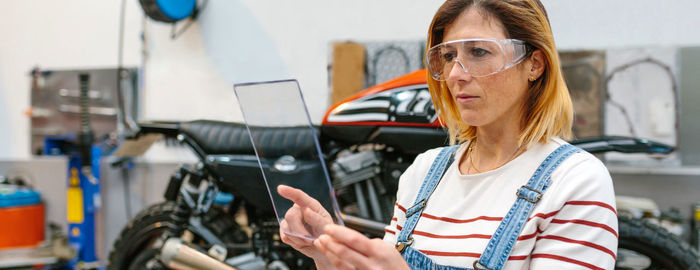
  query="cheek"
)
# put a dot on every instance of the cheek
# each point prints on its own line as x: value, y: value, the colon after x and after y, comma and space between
x: 451, y: 87
x: 504, y: 87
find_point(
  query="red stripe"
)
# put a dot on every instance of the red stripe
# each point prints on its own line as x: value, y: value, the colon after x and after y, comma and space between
x: 400, y: 207
x: 587, y: 223
x: 543, y: 216
x: 426, y: 234
x: 604, y: 205
x: 565, y: 259
x: 394, y: 219
x: 588, y: 244
x: 527, y: 236
x: 467, y: 236
x: 389, y: 231
x: 540, y: 215
x: 450, y: 254
x: 487, y: 218
x: 452, y: 220
x: 466, y: 254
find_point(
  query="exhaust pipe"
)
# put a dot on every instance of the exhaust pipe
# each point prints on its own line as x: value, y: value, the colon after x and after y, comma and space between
x: 177, y: 255
x: 364, y: 225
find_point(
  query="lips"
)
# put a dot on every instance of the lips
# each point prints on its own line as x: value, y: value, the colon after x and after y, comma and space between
x: 463, y: 98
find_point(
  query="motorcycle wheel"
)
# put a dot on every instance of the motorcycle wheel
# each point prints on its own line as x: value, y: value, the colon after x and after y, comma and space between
x: 644, y: 245
x: 132, y: 249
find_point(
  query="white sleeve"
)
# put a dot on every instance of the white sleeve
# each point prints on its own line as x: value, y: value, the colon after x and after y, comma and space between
x: 405, y: 195
x: 391, y: 231
x: 583, y: 234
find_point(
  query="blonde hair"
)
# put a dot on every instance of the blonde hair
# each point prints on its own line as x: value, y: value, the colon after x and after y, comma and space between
x: 548, y: 111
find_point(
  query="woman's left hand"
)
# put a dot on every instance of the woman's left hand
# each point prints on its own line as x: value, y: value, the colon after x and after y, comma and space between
x: 349, y: 249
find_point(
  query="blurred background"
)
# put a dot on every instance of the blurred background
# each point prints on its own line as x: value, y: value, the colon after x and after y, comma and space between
x: 631, y: 67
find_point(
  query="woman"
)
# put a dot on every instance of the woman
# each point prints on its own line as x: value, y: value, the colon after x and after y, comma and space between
x: 493, y: 73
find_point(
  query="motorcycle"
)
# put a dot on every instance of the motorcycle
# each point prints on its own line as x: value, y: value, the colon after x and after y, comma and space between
x: 367, y: 141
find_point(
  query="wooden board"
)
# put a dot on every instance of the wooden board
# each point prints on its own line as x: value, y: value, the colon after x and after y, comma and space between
x: 348, y: 70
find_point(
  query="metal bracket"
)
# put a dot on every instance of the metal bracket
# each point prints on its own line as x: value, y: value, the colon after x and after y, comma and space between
x: 403, y: 245
x: 415, y: 208
x: 522, y: 194
x: 478, y: 266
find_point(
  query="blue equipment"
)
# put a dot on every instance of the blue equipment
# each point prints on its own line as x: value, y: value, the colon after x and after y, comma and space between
x: 83, y: 200
x: 169, y: 11
x: 83, y: 192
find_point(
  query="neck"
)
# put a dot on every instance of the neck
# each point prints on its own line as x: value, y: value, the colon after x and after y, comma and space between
x: 495, y: 145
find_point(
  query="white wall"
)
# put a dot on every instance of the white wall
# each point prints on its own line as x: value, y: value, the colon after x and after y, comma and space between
x: 54, y: 35
x: 271, y: 40
x: 604, y: 24
x: 248, y: 40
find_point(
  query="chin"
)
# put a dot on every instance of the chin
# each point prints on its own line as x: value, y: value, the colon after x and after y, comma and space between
x: 471, y: 119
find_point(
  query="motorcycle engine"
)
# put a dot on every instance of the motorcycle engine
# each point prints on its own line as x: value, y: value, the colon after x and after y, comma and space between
x: 352, y: 168
x: 359, y: 185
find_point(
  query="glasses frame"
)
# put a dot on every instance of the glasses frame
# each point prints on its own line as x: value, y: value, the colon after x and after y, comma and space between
x: 518, y: 52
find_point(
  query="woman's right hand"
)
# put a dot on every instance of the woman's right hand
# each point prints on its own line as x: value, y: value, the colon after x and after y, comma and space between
x: 305, y: 217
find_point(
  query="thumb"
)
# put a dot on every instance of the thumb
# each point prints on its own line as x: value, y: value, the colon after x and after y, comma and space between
x: 316, y: 221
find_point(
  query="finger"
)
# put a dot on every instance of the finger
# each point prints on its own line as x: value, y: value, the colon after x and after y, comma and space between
x: 350, y: 238
x: 348, y: 255
x: 315, y: 222
x: 286, y: 239
x: 293, y: 217
x: 337, y: 262
x: 316, y: 218
x: 289, y: 240
x: 298, y: 197
x: 283, y: 227
x: 295, y: 221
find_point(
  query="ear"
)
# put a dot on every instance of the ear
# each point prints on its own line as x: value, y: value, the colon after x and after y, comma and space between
x: 537, y: 65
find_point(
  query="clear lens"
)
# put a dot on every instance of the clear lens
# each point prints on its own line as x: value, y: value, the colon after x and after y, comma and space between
x: 478, y: 57
x: 300, y: 166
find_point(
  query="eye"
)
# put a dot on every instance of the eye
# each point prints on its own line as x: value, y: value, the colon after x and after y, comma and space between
x: 448, y: 56
x: 479, y: 52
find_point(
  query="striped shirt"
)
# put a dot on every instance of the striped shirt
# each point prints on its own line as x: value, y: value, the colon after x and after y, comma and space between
x: 573, y: 226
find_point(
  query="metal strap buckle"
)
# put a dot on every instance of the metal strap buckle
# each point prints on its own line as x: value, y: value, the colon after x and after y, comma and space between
x: 415, y: 208
x: 403, y: 245
x: 539, y: 196
x: 478, y: 266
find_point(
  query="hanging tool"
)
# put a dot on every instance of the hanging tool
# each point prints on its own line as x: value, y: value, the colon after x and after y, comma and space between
x: 83, y: 193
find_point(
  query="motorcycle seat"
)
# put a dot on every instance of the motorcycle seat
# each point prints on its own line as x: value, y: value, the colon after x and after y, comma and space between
x: 217, y: 138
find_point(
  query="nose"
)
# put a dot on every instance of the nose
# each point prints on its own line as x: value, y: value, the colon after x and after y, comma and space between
x: 458, y: 73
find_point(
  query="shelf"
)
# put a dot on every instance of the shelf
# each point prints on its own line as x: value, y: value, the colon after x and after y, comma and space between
x: 659, y: 170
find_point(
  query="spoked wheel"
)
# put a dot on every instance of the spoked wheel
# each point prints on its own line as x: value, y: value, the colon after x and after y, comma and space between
x: 147, y: 260
x: 133, y: 249
x: 644, y: 245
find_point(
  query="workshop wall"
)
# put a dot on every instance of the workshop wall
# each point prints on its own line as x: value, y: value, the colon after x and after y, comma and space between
x: 57, y: 34
x: 247, y: 40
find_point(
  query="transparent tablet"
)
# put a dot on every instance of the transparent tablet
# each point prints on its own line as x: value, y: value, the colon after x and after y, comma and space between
x: 287, y: 148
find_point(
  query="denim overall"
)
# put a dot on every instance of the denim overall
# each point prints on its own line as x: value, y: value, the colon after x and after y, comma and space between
x: 502, y: 241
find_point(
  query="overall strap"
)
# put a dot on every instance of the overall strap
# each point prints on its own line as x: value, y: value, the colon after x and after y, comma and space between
x: 502, y: 242
x: 437, y: 169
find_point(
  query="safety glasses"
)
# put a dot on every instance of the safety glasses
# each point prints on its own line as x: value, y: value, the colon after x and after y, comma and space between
x: 478, y: 57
